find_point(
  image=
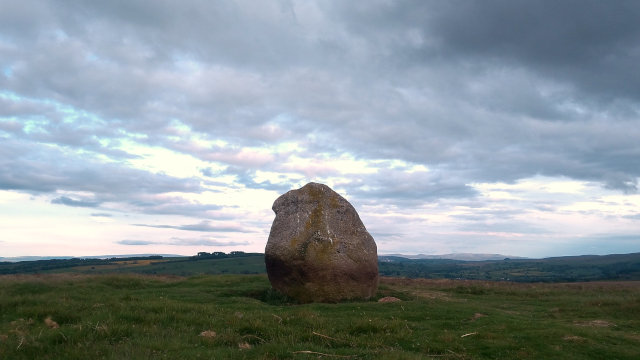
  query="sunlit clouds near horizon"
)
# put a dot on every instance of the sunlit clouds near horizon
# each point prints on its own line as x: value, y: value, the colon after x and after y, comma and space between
x: 136, y: 127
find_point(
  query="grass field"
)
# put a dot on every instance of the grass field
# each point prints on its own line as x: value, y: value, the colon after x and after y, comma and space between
x: 176, y: 266
x: 71, y: 316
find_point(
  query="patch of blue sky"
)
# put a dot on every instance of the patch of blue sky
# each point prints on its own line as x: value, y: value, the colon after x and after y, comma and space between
x: 179, y: 130
x: 69, y: 114
x: 133, y: 136
x: 91, y: 57
x: 10, y: 95
x: 72, y: 114
x: 60, y: 34
x: 34, y: 125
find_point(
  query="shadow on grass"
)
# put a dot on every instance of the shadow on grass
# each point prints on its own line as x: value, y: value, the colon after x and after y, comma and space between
x: 272, y: 296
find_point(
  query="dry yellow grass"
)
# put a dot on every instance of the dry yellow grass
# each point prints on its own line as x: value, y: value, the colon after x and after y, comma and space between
x: 138, y: 262
x: 595, y: 323
x: 50, y: 323
x: 209, y: 334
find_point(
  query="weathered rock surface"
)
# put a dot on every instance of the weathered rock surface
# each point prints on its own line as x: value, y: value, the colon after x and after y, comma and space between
x: 318, y: 249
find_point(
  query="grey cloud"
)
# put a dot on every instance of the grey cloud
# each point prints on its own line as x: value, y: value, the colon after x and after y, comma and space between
x: 63, y: 200
x: 204, y: 29
x: 409, y: 187
x: 588, y: 43
x: 160, y: 204
x: 622, y: 182
x: 493, y: 225
x: 37, y: 168
x: 136, y: 242
x: 46, y: 121
x: 79, y: 135
x: 208, y: 172
x: 480, y: 216
x: 476, y: 91
x: 25, y: 19
x: 101, y: 215
x: 205, y: 242
x: 203, y: 226
x: 508, y: 114
x: 246, y: 177
x: 479, y: 91
x: 183, y: 242
x: 385, y: 236
x: 83, y: 47
x: 11, y: 126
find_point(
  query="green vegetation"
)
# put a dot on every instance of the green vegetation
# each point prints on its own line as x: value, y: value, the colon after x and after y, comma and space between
x: 249, y: 264
x: 118, y: 316
x: 560, y: 269
x: 191, y: 307
x: 236, y: 262
x: 36, y: 266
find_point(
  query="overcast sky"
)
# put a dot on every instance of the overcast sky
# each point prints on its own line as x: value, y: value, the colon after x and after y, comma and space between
x: 131, y: 127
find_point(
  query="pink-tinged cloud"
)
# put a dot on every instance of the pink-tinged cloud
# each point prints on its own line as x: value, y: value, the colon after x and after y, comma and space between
x: 243, y: 157
x: 311, y: 168
x: 176, y: 241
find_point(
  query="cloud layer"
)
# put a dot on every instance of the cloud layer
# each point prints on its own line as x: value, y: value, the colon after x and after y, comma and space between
x: 193, y: 109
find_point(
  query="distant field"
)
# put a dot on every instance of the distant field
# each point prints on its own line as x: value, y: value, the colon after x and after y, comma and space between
x: 128, y: 316
x: 182, y: 267
x: 560, y: 269
x: 155, y: 265
x: 116, y: 266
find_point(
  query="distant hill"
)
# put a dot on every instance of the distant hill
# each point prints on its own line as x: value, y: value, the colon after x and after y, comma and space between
x: 457, y: 256
x: 32, y: 258
x: 236, y: 262
x: 556, y: 269
x: 37, y: 258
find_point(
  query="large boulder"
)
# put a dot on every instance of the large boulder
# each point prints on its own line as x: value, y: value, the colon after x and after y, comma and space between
x: 318, y: 249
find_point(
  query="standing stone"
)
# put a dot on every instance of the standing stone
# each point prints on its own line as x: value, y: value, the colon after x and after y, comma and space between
x: 318, y: 249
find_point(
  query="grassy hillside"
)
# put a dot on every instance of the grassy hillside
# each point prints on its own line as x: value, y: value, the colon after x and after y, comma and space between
x: 221, y: 263
x: 559, y: 269
x: 71, y: 316
x: 251, y: 264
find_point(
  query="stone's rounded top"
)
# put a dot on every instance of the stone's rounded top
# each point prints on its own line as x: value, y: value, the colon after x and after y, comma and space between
x: 319, y: 249
x: 310, y: 193
x: 315, y: 185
